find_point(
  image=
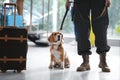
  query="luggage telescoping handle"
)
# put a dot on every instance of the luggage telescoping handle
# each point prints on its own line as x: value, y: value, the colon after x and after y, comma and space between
x: 14, y: 13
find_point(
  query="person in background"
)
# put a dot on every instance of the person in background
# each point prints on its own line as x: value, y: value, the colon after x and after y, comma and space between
x: 20, y: 6
x: 82, y: 10
x: 74, y: 42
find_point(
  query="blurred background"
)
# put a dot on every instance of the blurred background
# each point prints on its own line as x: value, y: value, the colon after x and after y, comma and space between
x: 47, y: 15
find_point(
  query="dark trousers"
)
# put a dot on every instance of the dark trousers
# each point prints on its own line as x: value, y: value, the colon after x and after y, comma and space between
x: 81, y: 18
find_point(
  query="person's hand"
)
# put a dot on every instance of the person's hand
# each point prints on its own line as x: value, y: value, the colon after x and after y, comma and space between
x: 67, y: 5
x: 107, y: 3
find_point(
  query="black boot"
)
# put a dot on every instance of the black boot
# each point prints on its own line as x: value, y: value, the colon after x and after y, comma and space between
x: 85, y: 65
x: 103, y: 64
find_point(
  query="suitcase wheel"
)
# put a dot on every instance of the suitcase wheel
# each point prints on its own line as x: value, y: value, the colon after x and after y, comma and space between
x: 19, y: 71
x: 3, y: 71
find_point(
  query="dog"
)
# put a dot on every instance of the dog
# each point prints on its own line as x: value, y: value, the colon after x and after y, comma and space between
x: 59, y: 58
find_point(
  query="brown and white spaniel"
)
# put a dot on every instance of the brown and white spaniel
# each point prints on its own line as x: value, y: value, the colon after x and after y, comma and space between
x: 59, y: 58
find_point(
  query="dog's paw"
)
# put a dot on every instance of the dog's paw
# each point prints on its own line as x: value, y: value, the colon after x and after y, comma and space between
x: 61, y: 67
x: 51, y: 67
x: 67, y: 66
x: 57, y: 65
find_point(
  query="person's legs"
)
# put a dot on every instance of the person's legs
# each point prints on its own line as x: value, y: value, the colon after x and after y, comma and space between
x: 20, y: 6
x: 82, y: 26
x: 100, y: 25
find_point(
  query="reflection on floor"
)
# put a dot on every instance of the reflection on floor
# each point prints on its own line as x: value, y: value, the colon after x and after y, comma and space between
x: 38, y: 59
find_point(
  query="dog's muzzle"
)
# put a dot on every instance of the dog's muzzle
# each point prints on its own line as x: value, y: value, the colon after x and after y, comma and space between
x: 59, y: 37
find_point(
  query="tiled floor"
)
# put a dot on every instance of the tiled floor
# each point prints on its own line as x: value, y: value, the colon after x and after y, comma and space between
x: 38, y: 59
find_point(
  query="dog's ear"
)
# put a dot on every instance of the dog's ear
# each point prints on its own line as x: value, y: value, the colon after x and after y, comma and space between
x: 50, y: 38
x: 62, y: 38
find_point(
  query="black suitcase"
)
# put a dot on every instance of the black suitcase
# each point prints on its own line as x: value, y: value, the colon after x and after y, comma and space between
x: 13, y: 48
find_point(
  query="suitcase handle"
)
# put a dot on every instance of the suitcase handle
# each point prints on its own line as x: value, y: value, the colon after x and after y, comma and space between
x: 5, y: 13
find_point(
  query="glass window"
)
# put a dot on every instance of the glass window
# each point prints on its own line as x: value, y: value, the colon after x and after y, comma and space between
x: 48, y: 15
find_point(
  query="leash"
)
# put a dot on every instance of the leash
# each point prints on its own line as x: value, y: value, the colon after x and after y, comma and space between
x: 61, y: 27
